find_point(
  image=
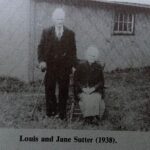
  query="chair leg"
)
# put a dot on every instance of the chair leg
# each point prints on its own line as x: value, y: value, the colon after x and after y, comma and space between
x: 71, y: 114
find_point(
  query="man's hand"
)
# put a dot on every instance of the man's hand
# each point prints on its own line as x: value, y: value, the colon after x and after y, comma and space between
x: 73, y: 70
x: 42, y: 66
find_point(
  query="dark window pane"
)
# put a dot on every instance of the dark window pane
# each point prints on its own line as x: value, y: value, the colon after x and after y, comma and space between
x: 116, y: 27
x: 121, y: 17
x: 120, y: 26
x: 125, y: 26
x: 125, y: 18
x: 116, y: 17
x: 130, y: 17
x: 129, y: 27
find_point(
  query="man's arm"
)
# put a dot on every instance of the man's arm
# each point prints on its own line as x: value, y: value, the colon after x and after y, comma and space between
x: 42, y: 47
x: 42, y: 50
x: 72, y: 51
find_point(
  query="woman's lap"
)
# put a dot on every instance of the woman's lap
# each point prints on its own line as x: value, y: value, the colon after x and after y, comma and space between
x: 91, y: 105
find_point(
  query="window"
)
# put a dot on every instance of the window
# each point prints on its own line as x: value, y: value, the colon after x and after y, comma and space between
x: 123, y: 23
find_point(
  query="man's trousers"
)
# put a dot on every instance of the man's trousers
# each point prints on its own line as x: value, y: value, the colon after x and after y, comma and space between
x: 52, y: 107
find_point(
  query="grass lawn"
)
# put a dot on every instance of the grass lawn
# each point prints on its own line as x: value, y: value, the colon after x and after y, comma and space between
x: 127, y: 101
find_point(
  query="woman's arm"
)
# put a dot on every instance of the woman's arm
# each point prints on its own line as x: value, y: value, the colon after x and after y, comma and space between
x: 99, y: 86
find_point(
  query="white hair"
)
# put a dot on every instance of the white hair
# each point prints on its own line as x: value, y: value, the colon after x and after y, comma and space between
x: 92, y: 50
x: 58, y: 13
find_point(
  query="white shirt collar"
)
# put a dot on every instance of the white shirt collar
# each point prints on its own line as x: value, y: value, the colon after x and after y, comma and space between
x: 59, y: 31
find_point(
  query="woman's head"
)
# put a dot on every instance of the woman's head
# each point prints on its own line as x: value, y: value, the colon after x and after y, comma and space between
x: 92, y: 54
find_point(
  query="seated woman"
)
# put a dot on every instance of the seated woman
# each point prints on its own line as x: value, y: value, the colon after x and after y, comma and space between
x: 89, y: 86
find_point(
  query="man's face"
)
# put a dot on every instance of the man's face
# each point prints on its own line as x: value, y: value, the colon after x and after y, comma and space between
x: 59, y: 20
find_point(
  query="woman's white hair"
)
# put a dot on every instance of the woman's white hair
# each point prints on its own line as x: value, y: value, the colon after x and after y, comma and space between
x: 92, y: 50
x: 58, y: 13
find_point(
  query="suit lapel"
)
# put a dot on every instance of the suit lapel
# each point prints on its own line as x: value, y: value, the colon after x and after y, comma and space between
x: 54, y: 34
x: 64, y: 33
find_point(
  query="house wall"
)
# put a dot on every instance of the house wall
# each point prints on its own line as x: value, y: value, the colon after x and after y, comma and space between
x: 22, y: 22
x: 14, y: 38
x: 93, y: 26
x: 80, y: 19
x: 133, y: 51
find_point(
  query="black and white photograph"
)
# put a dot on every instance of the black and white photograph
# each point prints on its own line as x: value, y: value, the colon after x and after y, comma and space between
x: 75, y: 64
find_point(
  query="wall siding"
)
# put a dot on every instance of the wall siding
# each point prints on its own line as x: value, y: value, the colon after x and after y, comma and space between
x: 14, y: 38
x: 93, y: 26
x: 22, y: 22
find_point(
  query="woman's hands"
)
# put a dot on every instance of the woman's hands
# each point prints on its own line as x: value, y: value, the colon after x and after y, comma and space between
x: 88, y: 90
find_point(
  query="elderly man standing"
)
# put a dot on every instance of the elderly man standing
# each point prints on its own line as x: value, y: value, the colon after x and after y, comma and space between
x: 57, y: 55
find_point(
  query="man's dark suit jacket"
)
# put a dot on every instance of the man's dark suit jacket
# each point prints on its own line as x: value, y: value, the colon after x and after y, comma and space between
x: 60, y: 56
x: 88, y: 75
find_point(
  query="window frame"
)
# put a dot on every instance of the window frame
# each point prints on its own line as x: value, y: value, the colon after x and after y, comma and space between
x: 117, y: 15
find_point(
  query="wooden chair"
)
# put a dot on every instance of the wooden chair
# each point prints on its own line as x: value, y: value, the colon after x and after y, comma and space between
x: 74, y: 109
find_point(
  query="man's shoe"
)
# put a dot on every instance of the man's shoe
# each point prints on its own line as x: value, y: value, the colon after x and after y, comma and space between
x: 62, y: 116
x: 56, y: 116
x: 95, y: 121
x: 51, y: 114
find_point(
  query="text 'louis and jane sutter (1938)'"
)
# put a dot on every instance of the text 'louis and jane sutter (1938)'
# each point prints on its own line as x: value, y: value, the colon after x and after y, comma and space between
x: 74, y: 139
